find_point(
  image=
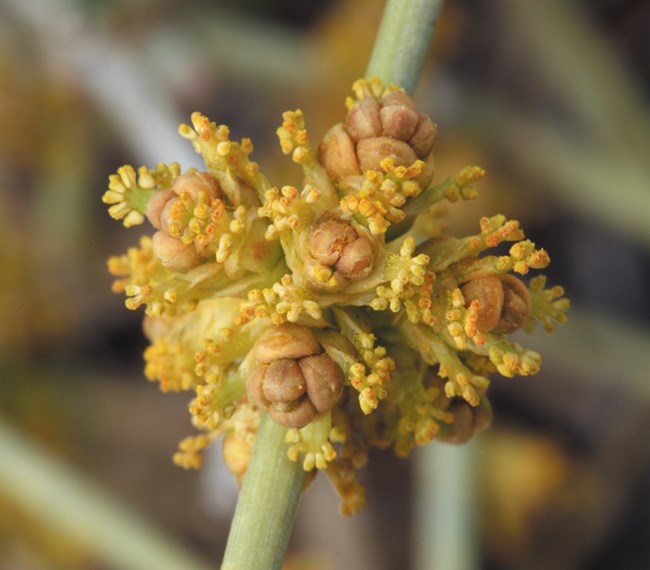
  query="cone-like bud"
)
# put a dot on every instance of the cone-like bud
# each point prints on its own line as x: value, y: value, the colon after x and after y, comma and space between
x: 378, y: 129
x: 174, y: 254
x: 363, y: 120
x: 293, y: 381
x: 337, y: 244
x: 168, y: 212
x: 160, y: 206
x: 468, y: 420
x: 516, y: 305
x: 505, y: 302
x: 336, y: 153
x: 372, y: 151
x: 324, y: 381
x: 157, y: 204
x: 424, y: 137
x: 398, y: 116
x: 285, y: 341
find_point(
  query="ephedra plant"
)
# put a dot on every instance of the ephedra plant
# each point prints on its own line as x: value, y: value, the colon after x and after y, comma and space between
x: 313, y: 323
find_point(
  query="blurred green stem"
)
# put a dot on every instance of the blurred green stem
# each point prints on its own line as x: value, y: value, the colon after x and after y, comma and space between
x: 269, y: 498
x: 445, y: 511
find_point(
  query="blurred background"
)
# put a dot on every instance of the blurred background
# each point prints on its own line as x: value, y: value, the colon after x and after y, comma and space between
x: 550, y: 97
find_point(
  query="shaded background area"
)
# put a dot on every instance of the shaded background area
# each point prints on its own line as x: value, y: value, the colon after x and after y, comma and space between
x: 550, y: 97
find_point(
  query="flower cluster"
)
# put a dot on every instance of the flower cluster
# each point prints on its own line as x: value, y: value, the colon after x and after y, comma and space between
x: 340, y: 308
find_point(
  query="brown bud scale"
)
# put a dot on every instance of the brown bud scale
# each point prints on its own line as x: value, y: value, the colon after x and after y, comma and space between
x: 488, y: 290
x: 174, y: 254
x: 286, y: 341
x: 291, y: 381
x: 505, y: 302
x: 336, y: 153
x: 336, y: 244
x: 363, y: 120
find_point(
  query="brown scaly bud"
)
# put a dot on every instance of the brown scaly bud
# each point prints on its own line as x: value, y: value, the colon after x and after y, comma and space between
x: 172, y: 252
x: 196, y: 182
x: 424, y: 137
x: 468, y: 420
x: 516, y: 305
x: 324, y: 381
x: 285, y: 341
x: 293, y: 381
x: 191, y: 183
x: 377, y: 129
x: 372, y: 151
x: 505, y: 302
x: 337, y: 154
x: 336, y: 244
x: 363, y: 120
x: 398, y: 116
x: 156, y: 206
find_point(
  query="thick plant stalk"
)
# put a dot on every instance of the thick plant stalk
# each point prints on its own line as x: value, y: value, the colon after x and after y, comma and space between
x: 267, y: 504
x: 403, y: 40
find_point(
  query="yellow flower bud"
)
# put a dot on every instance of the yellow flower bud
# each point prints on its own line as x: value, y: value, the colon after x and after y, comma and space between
x: 237, y: 451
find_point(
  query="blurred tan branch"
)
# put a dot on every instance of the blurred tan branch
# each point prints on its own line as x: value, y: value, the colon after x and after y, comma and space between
x: 602, y: 349
x: 579, y: 60
x: 602, y: 172
x: 59, y: 497
x: 116, y: 79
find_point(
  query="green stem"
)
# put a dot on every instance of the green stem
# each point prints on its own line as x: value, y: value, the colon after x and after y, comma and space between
x: 403, y: 41
x: 267, y: 504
